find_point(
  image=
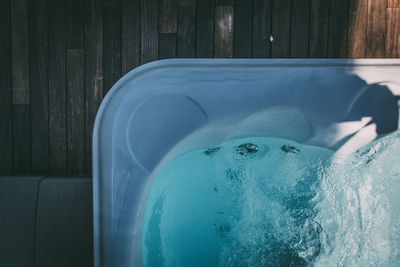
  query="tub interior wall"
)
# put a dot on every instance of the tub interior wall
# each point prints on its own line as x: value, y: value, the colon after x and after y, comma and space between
x: 151, y: 120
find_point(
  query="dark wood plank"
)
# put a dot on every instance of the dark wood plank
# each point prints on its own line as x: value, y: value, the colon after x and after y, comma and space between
x: 93, y: 71
x: 21, y: 139
x: 57, y: 89
x: 187, y: 28
x: 205, y: 28
x: 338, y: 26
x: 149, y: 30
x: 6, y: 156
x: 74, y: 24
x: 18, y: 198
x: 167, y: 43
x: 357, y: 33
x: 280, y: 47
x: 64, y: 223
x: 299, y: 28
x: 130, y: 34
x: 225, y: 2
x: 376, y: 29
x: 75, y: 112
x: 392, y: 48
x: 262, y: 18
x: 111, y: 47
x: 224, y: 31
x: 319, y: 29
x: 20, y: 51
x: 242, y: 37
x: 168, y: 16
x: 111, y: 3
x: 39, y: 86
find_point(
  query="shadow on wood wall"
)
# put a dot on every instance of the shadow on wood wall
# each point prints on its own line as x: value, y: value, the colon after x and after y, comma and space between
x: 59, y: 58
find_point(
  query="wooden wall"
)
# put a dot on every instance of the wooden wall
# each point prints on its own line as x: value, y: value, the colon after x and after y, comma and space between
x: 58, y: 58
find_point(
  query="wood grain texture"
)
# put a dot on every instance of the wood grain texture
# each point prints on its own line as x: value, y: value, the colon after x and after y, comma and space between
x: 6, y: 166
x: 224, y: 17
x: 318, y: 47
x: 262, y: 18
x: 205, y: 28
x: 357, y: 32
x: 39, y: 86
x: 280, y: 47
x: 242, y: 37
x: 186, y: 28
x: 393, y: 3
x: 112, y: 62
x: 299, y: 28
x: 167, y: 45
x: 64, y: 223
x: 18, y: 198
x: 130, y: 34
x: 21, y: 139
x: 20, y: 51
x: 168, y: 16
x: 75, y: 112
x: 338, y: 26
x: 57, y: 89
x: 149, y: 31
x: 376, y: 29
x: 93, y: 71
x: 392, y: 43
x: 74, y: 24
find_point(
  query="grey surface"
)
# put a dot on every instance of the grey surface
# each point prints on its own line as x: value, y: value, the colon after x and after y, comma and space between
x: 18, y: 199
x: 45, y: 222
x: 64, y: 225
x: 170, y: 107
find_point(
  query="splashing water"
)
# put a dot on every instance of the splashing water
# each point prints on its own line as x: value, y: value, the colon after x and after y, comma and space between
x: 269, y: 201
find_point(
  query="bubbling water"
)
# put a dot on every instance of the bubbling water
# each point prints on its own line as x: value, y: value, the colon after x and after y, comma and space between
x: 274, y: 202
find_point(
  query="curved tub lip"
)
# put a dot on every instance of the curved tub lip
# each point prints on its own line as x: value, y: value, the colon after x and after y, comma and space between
x: 148, y: 67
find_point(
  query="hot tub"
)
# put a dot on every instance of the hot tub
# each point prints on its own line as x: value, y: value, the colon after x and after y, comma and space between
x: 167, y: 108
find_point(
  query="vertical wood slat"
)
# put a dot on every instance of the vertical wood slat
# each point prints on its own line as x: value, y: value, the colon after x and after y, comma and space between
x: 393, y: 3
x: 6, y: 166
x: 167, y: 44
x: 281, y: 29
x: 149, y: 31
x: 299, y: 28
x: 130, y: 34
x: 337, y: 36
x: 357, y: 32
x: 22, y: 139
x: 57, y: 89
x: 93, y: 71
x: 74, y: 24
x: 39, y: 86
x: 392, y: 43
x: 75, y: 111
x: 205, y: 28
x: 242, y: 38
x: 262, y: 18
x: 168, y: 26
x: 319, y: 29
x: 376, y: 28
x: 20, y: 51
x: 186, y: 28
x: 168, y: 16
x: 224, y: 31
x: 111, y: 47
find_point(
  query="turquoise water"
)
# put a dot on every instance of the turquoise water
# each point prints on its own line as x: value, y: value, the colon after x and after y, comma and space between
x: 275, y: 202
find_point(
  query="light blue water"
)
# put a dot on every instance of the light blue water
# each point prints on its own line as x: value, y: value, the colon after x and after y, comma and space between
x: 269, y: 201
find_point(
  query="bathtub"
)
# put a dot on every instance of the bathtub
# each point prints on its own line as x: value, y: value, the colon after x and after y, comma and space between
x: 166, y: 108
